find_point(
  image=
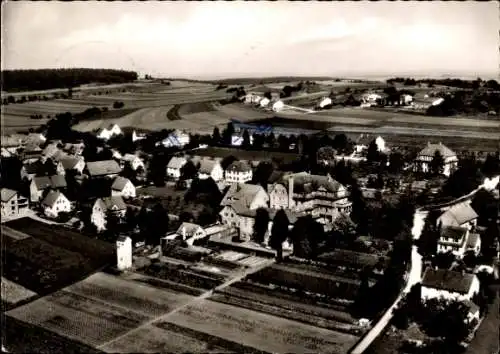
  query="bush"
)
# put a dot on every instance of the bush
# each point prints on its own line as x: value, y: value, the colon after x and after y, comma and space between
x: 118, y: 104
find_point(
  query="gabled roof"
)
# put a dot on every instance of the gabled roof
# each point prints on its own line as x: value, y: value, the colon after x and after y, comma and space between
x: 448, y: 280
x: 473, y: 308
x: 176, y: 162
x: 239, y: 166
x: 55, y: 181
x: 241, y: 195
x: 34, y: 167
x: 458, y: 215
x: 189, y: 228
x: 431, y: 149
x: 70, y: 162
x: 113, y: 203
x: 472, y: 240
x: 52, y: 198
x: 119, y: 183
x: 7, y: 194
x: 103, y: 168
x: 207, y: 166
x: 129, y: 157
x: 304, y: 182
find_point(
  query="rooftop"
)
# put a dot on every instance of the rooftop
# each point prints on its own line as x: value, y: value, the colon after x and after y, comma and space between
x: 239, y: 166
x: 448, y: 280
x: 241, y: 195
x: 458, y: 215
x: 119, y: 183
x: 176, y: 162
x: 431, y: 149
x: 7, y: 194
x: 103, y: 168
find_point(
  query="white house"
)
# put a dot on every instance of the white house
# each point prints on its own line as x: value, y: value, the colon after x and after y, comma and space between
x: 40, y: 184
x: 191, y: 232
x: 252, y: 98
x: 249, y: 196
x: 133, y: 161
x: 122, y: 187
x: 325, y: 101
x: 238, y: 172
x: 210, y: 168
x: 371, y: 98
x: 103, y: 206
x: 12, y: 203
x: 108, y: 133
x: 425, y: 156
x: 406, y: 99
x: 459, y: 215
x: 177, y: 138
x: 450, y: 285
x: 278, y: 106
x: 54, y: 203
x: 124, y: 252
x: 237, y: 139
x: 458, y: 240
x: 264, y: 102
x: 174, y: 166
x: 137, y: 137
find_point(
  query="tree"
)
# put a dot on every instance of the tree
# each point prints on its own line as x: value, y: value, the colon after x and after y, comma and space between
x: 372, y: 153
x: 306, y: 236
x: 271, y: 140
x: 188, y: 170
x: 486, y: 206
x: 279, y: 233
x: 396, y: 162
x: 429, y: 237
x: 358, y: 203
x: 216, y: 138
x: 490, y: 239
x: 246, y: 140
x: 261, y: 225
x: 437, y: 163
x: 227, y: 134
x: 262, y: 173
x: 326, y: 153
x: 491, y: 166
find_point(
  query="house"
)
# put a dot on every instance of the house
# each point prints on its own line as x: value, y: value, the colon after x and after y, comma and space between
x: 249, y: 196
x: 447, y: 284
x: 137, y: 137
x: 425, y: 156
x: 177, y: 138
x: 190, y: 232
x: 252, y: 98
x: 74, y: 148
x: 325, y: 101
x: 237, y: 139
x: 458, y: 241
x: 54, y: 203
x: 39, y: 185
x: 133, y: 161
x: 278, y: 106
x: 473, y: 311
x: 103, y: 206
x: 174, y: 166
x: 30, y: 170
x: 103, y: 169
x: 210, y: 168
x: 73, y: 164
x: 12, y: 203
x: 321, y: 196
x: 238, y: 172
x: 371, y: 99
x: 264, y: 102
x: 459, y: 215
x: 108, y: 133
x: 123, y: 187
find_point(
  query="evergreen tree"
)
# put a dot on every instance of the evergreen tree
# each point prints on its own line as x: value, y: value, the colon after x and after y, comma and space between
x: 358, y: 203
x: 372, y: 154
x: 429, y: 237
x: 227, y: 134
x: 437, y: 163
x: 279, y: 233
x: 216, y: 138
x: 246, y: 140
x: 261, y: 225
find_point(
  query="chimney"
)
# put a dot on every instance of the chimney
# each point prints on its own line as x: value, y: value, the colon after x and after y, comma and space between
x: 290, y: 191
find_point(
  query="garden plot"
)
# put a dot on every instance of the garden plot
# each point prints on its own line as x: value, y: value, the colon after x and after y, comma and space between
x: 13, y: 293
x: 257, y: 330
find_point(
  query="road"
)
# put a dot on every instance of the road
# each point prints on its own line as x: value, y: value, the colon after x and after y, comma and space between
x: 416, y: 262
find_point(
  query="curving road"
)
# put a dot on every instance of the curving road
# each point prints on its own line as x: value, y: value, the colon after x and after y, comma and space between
x: 416, y: 262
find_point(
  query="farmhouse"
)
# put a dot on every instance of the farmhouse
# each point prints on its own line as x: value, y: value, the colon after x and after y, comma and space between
x: 264, y: 102
x: 278, y: 106
x: 447, y: 284
x: 122, y: 187
x: 174, y: 166
x: 238, y: 172
x: 177, y: 138
x: 245, y: 196
x: 108, y: 133
x: 458, y: 240
x: 54, y: 203
x: 103, y: 169
x: 12, y: 203
x: 425, y: 156
x: 39, y: 185
x: 73, y: 164
x: 325, y: 101
x: 133, y: 161
x: 103, y: 206
x: 210, y: 168
x: 459, y: 215
x: 320, y: 196
x: 137, y: 137
x: 252, y: 98
x: 188, y: 232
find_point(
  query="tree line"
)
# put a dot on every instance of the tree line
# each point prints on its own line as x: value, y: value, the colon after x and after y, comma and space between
x: 44, y: 79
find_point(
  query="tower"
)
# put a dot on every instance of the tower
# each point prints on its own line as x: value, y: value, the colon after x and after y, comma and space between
x: 124, y: 252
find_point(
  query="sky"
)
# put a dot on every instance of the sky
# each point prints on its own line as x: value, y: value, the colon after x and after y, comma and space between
x: 245, y: 39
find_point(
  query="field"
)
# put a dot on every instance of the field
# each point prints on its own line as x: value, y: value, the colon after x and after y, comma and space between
x: 98, y: 309
x: 247, y: 155
x: 13, y: 293
x: 257, y: 330
x: 52, y: 257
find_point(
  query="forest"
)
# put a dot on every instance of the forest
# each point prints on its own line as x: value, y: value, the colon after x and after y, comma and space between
x: 45, y: 79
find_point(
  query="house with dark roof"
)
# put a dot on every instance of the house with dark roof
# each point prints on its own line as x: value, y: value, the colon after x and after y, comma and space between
x: 13, y: 204
x: 103, y: 206
x: 210, y: 168
x: 122, y: 187
x: 321, y: 196
x: 103, y: 169
x: 54, y: 203
x: 459, y: 215
x: 458, y: 240
x: 425, y: 156
x: 447, y: 284
x: 133, y: 161
x: 238, y: 172
x: 39, y: 185
x: 174, y: 166
x: 71, y: 163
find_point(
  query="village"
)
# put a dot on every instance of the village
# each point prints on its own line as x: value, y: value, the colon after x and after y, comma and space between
x: 289, y: 218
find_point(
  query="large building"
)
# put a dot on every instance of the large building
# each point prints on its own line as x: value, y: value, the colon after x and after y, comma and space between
x: 458, y: 240
x: 459, y: 215
x: 12, y: 203
x: 425, y: 156
x: 447, y: 284
x: 238, y: 172
x: 321, y: 196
